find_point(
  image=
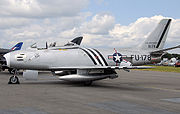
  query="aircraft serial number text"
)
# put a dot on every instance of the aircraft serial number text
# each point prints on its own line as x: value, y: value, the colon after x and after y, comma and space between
x: 141, y: 57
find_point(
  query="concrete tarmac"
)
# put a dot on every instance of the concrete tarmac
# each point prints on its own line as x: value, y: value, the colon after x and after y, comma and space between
x: 135, y: 92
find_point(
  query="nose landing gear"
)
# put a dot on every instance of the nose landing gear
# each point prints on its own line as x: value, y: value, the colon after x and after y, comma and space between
x: 14, y: 79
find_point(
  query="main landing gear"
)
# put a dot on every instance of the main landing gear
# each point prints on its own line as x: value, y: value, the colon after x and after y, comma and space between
x: 88, y: 83
x: 14, y: 79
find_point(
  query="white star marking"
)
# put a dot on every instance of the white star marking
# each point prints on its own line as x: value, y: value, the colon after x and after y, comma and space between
x: 117, y: 57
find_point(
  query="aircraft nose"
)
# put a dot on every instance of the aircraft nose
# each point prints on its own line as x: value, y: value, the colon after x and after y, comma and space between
x: 7, y: 57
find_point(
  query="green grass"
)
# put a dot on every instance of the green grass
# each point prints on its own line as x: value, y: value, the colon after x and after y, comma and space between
x: 163, y: 69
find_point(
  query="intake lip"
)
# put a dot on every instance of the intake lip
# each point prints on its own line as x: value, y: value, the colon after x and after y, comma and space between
x: 7, y: 57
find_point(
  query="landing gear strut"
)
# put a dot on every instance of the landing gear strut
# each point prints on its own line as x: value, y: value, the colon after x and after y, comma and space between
x: 14, y: 79
x: 11, y: 71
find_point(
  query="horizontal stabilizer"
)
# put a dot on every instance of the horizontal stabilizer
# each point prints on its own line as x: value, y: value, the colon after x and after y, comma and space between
x: 162, y: 50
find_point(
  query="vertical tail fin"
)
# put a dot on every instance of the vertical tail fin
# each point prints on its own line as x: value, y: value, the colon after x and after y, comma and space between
x: 77, y: 40
x: 158, y: 37
x: 17, y: 46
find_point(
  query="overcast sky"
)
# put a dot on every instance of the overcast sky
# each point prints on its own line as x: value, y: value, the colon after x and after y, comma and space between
x: 102, y: 23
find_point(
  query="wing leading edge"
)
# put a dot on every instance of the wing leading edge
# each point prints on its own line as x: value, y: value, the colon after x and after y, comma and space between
x: 101, y: 67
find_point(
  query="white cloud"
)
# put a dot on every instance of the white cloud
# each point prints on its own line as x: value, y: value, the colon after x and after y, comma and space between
x: 93, y: 30
x: 13, y: 22
x: 100, y: 24
x: 19, y: 7
x: 27, y: 34
x: 31, y: 21
x: 135, y: 33
x: 131, y: 35
x: 41, y: 8
x: 175, y: 29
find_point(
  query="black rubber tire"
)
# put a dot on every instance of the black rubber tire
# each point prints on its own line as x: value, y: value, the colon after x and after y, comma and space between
x: 88, y: 83
x: 13, y: 80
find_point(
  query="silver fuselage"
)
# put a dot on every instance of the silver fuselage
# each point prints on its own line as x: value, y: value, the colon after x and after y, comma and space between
x: 47, y: 59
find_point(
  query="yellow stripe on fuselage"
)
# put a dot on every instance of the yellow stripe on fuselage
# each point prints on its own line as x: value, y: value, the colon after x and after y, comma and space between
x: 62, y: 49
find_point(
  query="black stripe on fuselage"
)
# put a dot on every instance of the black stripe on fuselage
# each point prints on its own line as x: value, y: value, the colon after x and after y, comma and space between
x: 162, y: 35
x: 101, y: 57
x: 95, y: 56
x: 89, y: 56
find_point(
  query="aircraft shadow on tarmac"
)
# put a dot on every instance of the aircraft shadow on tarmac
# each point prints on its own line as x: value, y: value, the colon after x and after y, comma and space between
x: 97, y: 85
x: 49, y: 80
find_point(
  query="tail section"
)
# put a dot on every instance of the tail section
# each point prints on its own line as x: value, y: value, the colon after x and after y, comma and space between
x: 157, y: 38
x: 77, y: 40
x: 17, y: 46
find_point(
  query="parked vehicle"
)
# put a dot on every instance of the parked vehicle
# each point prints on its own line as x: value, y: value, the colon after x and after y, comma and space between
x: 177, y: 64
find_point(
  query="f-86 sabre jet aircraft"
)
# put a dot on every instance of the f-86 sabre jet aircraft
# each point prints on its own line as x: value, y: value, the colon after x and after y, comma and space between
x: 86, y: 65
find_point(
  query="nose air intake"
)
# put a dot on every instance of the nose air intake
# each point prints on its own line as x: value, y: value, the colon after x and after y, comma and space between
x: 7, y: 57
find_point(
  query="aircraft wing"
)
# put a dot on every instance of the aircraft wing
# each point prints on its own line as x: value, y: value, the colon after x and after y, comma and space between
x: 162, y: 50
x: 101, y: 67
x: 89, y: 74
